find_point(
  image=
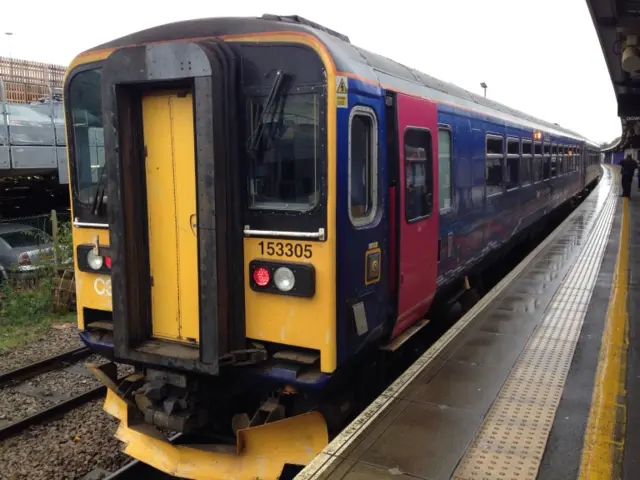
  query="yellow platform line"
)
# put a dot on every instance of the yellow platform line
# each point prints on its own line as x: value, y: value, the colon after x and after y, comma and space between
x: 604, y: 436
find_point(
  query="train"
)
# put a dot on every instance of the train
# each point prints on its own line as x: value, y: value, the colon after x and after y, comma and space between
x: 258, y: 204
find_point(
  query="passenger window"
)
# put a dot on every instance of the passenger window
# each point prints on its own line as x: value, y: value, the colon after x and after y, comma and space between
x: 493, y: 165
x: 513, y: 163
x: 363, y: 166
x: 445, y: 196
x: 418, y: 166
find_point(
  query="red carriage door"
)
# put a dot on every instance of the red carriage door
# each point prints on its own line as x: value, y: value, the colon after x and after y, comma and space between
x: 418, y: 212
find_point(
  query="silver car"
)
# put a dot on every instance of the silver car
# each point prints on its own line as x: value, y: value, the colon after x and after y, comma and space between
x: 23, y: 251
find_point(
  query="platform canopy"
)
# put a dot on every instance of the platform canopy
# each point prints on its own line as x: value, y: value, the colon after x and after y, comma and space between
x: 617, y: 23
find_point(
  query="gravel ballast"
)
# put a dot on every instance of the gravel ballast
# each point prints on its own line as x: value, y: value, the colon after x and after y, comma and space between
x: 69, y: 448
x: 55, y: 341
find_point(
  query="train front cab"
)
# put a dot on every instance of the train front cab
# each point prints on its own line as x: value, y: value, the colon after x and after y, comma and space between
x: 196, y: 270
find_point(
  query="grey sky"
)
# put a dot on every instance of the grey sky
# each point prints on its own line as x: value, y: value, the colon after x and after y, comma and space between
x: 540, y: 57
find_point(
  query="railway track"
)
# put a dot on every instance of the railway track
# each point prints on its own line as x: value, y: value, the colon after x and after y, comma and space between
x: 28, y: 371
x: 15, y: 379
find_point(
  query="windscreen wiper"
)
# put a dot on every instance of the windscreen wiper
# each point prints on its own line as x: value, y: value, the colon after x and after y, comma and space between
x: 255, y: 139
x: 100, y: 188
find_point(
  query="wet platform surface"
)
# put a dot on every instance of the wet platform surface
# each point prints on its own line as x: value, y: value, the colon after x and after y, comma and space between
x: 507, y: 391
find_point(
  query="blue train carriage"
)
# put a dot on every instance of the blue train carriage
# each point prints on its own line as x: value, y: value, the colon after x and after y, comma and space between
x: 258, y: 204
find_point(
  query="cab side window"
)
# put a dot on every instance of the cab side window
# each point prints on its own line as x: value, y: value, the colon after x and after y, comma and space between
x: 363, y: 166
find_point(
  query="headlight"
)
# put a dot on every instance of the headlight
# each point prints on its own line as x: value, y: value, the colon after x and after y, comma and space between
x: 284, y: 279
x: 94, y: 261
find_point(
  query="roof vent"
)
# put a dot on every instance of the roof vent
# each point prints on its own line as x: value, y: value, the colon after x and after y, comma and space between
x: 303, y: 21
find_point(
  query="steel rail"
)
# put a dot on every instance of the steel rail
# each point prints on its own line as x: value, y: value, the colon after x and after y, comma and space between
x: 51, y: 412
x: 42, y: 366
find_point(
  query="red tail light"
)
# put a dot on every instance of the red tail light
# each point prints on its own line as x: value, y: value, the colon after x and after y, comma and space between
x: 107, y: 262
x: 24, y: 259
x: 261, y: 276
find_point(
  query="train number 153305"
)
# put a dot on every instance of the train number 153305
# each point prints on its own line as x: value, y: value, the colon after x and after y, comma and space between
x: 285, y: 249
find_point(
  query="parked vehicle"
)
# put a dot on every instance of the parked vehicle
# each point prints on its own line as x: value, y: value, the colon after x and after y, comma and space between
x: 24, y: 251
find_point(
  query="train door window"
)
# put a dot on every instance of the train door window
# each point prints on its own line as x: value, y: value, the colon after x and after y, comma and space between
x: 513, y: 163
x: 494, y: 159
x: 546, y: 165
x: 538, y: 164
x: 561, y: 161
x: 572, y: 159
x: 363, y: 166
x: 565, y: 160
x: 569, y: 167
x: 579, y: 160
x: 418, y: 165
x: 571, y: 154
x: 554, y: 160
x: 526, y: 163
x: 445, y: 193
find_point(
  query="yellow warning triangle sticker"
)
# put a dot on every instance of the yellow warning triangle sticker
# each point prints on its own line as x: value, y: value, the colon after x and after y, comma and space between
x: 342, y: 86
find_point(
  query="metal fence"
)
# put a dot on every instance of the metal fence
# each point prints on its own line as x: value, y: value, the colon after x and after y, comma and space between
x: 42, y: 222
x: 27, y: 80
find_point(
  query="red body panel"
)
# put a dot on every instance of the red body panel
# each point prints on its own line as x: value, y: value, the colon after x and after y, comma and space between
x: 418, y: 241
x: 393, y: 241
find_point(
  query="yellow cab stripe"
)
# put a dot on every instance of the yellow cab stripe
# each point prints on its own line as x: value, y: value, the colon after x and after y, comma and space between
x: 604, y: 438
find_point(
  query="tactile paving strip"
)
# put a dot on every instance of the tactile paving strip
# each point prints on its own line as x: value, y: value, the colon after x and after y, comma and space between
x: 513, y: 436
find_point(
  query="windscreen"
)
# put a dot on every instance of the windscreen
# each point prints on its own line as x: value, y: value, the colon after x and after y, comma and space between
x: 88, y: 138
x: 25, y: 238
x: 283, y: 169
x: 285, y: 105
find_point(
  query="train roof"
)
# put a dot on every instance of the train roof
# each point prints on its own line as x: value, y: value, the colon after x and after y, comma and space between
x: 348, y: 58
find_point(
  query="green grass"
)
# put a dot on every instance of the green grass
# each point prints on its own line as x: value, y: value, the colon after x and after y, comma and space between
x: 26, y: 311
x: 14, y: 335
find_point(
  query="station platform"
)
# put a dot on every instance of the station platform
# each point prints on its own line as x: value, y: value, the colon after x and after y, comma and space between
x: 537, y: 380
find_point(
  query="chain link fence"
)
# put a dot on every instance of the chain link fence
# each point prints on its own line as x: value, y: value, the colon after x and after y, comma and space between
x: 42, y: 222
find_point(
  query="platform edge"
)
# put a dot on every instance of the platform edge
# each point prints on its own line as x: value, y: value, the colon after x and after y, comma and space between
x: 603, y: 445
